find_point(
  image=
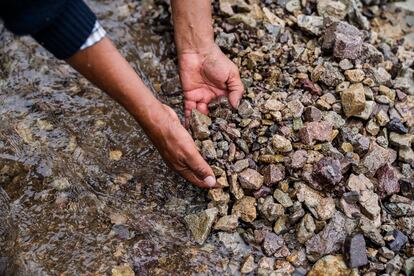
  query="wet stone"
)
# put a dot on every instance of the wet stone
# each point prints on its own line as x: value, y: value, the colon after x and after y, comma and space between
x: 227, y: 223
x: 272, y: 243
x: 251, y: 179
x: 200, y: 224
x: 355, y: 251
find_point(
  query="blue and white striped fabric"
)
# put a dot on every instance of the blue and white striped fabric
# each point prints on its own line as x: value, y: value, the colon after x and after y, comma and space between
x: 96, y: 35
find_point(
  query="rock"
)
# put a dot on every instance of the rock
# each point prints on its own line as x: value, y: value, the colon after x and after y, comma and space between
x: 329, y: 240
x: 273, y: 174
x: 272, y: 243
x: 273, y: 105
x: 280, y: 225
x: 335, y: 9
x: 359, y: 183
x: 293, y: 5
x: 353, y: 100
x: 251, y: 179
x: 330, y: 265
x: 245, y: 109
x: 312, y: 114
x: 345, y: 40
x: 200, y: 224
x: 305, y: 229
x: 240, y: 165
x: 311, y: 24
x: 316, y: 131
x: 283, y: 198
x: 356, y: 251
x: 227, y: 223
x: 199, y: 124
x: 409, y: 266
x: 269, y: 209
x: 233, y: 242
x: 246, y: 19
x: 369, y: 204
x: 371, y: 232
x: 245, y: 208
x: 407, y: 187
x: 281, y: 144
x: 328, y: 74
x: 208, y: 150
x: 394, y: 266
x: 248, y: 265
x: 399, y: 241
x: 224, y: 40
x: 406, y: 155
x: 334, y: 119
x: 376, y: 157
x: 122, y: 270
x: 322, y: 208
x: 386, y: 253
x: 387, y: 181
x: 366, y: 113
x: 355, y: 75
x: 295, y: 108
x: 298, y: 159
x: 327, y: 172
x: 401, y: 140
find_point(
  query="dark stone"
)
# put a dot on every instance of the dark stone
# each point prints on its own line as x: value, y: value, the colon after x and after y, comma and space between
x: 312, y: 114
x: 395, y: 125
x: 329, y: 240
x: 273, y: 174
x: 407, y: 187
x: 387, y: 181
x: 296, y: 216
x: 355, y: 251
x: 351, y: 197
x: 311, y: 87
x: 327, y: 173
x: 272, y: 243
x: 399, y: 240
x: 262, y: 192
x: 344, y: 39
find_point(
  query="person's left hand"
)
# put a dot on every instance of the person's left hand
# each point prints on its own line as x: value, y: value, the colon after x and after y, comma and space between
x: 205, y: 76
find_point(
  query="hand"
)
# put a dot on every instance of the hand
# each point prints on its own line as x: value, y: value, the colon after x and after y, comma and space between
x: 205, y: 76
x: 177, y: 148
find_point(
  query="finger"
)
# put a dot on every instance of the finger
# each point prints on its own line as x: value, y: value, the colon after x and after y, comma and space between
x: 201, y: 169
x: 202, y: 107
x: 235, y: 88
x: 191, y: 177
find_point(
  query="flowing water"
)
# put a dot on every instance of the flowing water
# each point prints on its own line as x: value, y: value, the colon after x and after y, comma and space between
x: 65, y: 205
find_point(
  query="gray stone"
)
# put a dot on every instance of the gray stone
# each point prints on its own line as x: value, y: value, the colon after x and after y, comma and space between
x: 251, y: 179
x: 355, y: 251
x: 200, y: 224
x: 272, y: 243
x: 311, y: 24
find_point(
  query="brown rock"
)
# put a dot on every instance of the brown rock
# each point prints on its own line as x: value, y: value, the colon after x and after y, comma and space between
x: 251, y: 179
x: 273, y: 174
x: 245, y: 208
x: 387, y: 181
x: 353, y: 100
x: 316, y: 131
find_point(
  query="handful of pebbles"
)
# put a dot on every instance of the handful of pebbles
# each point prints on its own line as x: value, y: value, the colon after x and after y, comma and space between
x: 315, y: 167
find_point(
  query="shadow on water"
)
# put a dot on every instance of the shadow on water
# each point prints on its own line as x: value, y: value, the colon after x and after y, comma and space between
x: 65, y: 206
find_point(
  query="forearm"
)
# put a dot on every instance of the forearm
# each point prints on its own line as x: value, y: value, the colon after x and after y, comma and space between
x: 193, y: 28
x: 104, y: 66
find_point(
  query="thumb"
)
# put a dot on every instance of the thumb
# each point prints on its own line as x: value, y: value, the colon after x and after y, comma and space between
x: 201, y: 170
x: 235, y: 87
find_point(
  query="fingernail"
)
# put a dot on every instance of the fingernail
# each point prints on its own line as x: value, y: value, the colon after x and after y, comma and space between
x: 210, y: 181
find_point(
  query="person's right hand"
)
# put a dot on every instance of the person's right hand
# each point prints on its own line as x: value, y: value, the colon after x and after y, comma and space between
x: 178, y: 149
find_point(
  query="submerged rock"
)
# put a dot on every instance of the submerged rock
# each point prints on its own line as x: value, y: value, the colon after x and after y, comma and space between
x: 200, y: 224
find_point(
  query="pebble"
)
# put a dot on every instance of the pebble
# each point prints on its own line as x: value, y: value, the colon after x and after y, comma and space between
x: 122, y: 270
x: 355, y: 251
x: 305, y: 229
x: 321, y: 207
x: 248, y: 265
x: 283, y: 198
x: 330, y: 265
x: 316, y: 131
x: 327, y: 173
x: 399, y: 240
x: 272, y: 243
x: 311, y: 24
x: 273, y: 174
x: 227, y: 223
x: 353, y: 100
x: 281, y: 144
x: 245, y: 208
x: 387, y: 181
x: 251, y: 179
x: 199, y: 124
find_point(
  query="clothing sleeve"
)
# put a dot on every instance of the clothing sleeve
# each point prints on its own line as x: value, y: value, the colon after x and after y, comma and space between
x: 68, y: 30
x: 97, y: 34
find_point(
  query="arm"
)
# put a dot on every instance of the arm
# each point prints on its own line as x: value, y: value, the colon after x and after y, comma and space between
x: 205, y: 71
x: 104, y: 66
